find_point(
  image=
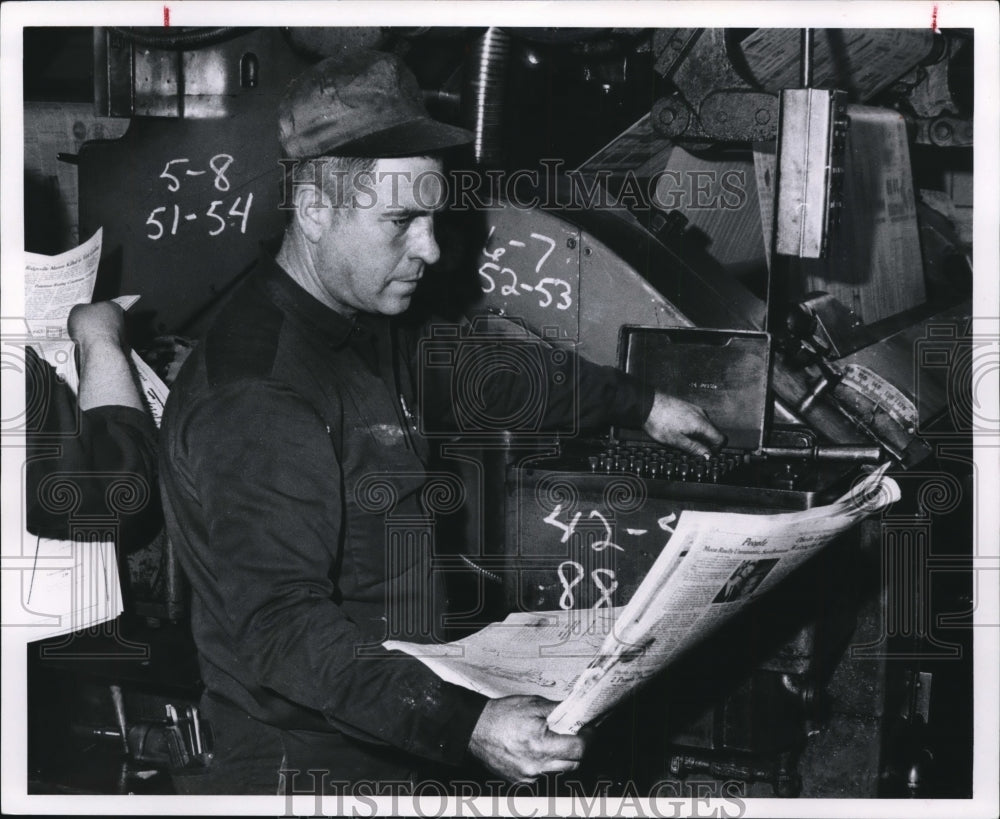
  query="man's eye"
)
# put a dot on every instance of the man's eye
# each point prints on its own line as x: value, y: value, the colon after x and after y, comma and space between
x: 402, y: 221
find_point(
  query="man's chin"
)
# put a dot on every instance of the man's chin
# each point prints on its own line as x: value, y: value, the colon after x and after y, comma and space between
x: 395, y: 306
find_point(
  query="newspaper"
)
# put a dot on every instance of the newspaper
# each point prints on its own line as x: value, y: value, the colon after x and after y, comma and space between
x: 154, y: 391
x: 62, y: 586
x: 713, y: 565
x: 53, y: 284
x: 541, y: 653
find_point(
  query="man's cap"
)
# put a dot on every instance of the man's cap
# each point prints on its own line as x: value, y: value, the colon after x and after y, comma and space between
x: 360, y: 103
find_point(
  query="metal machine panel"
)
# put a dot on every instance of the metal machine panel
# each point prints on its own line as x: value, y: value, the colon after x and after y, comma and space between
x: 726, y: 373
x: 575, y: 539
x: 185, y: 202
x: 530, y: 268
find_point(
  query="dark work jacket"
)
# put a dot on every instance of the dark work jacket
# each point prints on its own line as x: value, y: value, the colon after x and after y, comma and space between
x: 296, y: 491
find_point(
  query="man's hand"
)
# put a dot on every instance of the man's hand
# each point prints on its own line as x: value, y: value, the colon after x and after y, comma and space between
x: 103, y: 322
x: 512, y: 740
x: 105, y: 372
x: 682, y: 425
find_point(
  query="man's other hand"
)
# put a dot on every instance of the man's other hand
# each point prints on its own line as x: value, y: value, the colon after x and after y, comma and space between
x: 682, y: 425
x: 105, y: 371
x: 512, y: 739
x: 103, y: 321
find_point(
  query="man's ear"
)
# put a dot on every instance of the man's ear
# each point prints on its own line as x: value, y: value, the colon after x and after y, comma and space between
x: 313, y: 211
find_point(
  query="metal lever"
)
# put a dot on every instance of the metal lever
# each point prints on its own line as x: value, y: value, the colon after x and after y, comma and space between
x: 119, y: 703
x: 853, y: 454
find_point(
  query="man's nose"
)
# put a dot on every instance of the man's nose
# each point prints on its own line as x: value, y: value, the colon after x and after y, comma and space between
x: 424, y: 246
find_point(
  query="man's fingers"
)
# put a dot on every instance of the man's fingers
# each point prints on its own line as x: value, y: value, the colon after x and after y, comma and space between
x: 564, y: 746
x: 692, y: 447
x: 701, y: 446
x: 701, y: 429
x: 562, y: 765
x: 708, y: 432
x: 700, y: 438
x: 683, y: 425
x: 512, y: 739
x: 539, y: 706
x: 553, y: 766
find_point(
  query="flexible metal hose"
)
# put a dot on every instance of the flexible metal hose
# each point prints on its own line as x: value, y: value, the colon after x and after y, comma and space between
x: 194, y: 38
x: 484, y: 93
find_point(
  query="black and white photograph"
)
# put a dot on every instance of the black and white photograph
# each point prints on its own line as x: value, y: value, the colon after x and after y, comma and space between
x: 503, y: 408
x: 742, y: 582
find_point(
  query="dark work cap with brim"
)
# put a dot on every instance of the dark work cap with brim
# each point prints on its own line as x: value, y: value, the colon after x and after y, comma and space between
x: 363, y: 104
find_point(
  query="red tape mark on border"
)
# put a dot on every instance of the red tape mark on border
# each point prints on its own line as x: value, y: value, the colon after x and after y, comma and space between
x: 166, y: 15
x: 934, y: 26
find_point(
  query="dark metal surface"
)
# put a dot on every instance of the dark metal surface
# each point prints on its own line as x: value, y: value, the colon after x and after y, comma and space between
x: 715, y: 101
x: 632, y: 512
x: 171, y: 194
x: 726, y: 373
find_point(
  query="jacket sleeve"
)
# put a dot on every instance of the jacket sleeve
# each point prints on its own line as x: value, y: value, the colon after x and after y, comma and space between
x: 100, y: 463
x: 264, y: 470
x: 483, y: 382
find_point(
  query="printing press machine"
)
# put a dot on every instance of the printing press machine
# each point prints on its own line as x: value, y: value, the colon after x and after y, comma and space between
x: 742, y: 707
x: 830, y: 327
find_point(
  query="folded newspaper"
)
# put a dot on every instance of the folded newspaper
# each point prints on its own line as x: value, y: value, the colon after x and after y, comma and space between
x: 589, y: 660
x: 52, y: 286
x: 54, y: 587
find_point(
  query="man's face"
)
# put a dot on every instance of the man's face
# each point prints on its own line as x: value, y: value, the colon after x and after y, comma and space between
x: 372, y: 255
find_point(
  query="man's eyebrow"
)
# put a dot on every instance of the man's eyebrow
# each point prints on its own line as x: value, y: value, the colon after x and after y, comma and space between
x: 396, y: 212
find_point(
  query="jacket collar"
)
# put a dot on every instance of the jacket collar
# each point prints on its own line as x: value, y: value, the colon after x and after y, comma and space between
x: 334, y: 327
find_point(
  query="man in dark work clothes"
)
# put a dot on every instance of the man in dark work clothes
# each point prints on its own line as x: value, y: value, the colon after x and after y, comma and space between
x: 280, y: 433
